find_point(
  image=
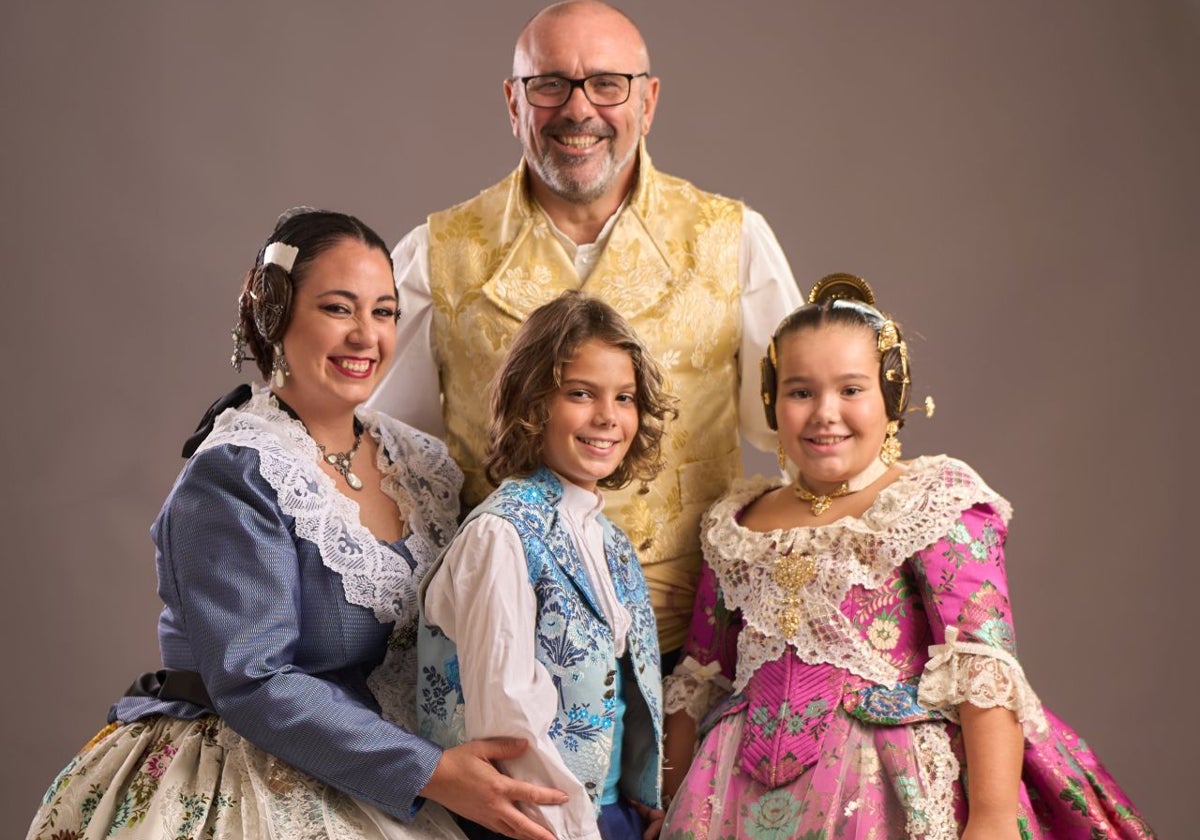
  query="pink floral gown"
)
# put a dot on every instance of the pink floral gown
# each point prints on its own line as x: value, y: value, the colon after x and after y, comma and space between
x: 826, y: 664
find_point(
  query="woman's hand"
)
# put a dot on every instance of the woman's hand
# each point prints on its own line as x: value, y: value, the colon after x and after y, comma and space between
x: 467, y: 782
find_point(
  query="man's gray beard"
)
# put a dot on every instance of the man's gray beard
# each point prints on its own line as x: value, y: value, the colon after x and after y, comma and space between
x: 558, y: 178
x: 568, y: 189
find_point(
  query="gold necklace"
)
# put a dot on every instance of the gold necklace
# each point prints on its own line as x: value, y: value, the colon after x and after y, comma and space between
x: 821, y: 502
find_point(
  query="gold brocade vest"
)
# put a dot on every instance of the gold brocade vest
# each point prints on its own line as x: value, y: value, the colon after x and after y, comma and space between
x: 671, y: 268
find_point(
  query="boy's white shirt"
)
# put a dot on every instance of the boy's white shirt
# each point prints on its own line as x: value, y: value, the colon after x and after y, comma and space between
x: 481, y: 598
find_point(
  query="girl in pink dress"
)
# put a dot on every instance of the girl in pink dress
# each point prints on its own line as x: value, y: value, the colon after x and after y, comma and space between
x: 851, y: 668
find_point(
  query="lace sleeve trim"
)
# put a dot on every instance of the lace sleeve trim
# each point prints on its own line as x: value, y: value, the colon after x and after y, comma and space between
x: 694, y: 688
x: 984, y: 676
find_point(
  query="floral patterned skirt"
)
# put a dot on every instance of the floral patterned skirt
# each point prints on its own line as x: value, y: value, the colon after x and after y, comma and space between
x: 893, y: 783
x: 162, y: 778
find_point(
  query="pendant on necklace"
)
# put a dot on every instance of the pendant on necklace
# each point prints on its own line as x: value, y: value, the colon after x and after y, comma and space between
x: 340, y: 461
x: 819, y: 503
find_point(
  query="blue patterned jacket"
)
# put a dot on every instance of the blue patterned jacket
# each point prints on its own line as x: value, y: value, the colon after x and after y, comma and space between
x: 574, y: 643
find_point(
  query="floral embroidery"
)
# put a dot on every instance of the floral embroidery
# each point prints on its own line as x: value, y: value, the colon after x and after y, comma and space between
x: 884, y: 632
x: 60, y: 782
x: 774, y: 817
x: 958, y: 533
x: 890, y: 706
x: 998, y: 632
x: 987, y: 609
x: 1073, y: 794
x: 435, y: 689
x: 193, y: 810
x: 159, y: 761
x: 88, y: 808
x: 136, y: 804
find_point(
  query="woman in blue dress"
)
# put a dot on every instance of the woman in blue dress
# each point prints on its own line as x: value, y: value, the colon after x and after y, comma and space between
x: 288, y: 557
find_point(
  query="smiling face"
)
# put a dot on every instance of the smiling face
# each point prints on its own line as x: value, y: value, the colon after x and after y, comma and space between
x: 593, y: 417
x: 340, y: 339
x: 580, y: 152
x: 832, y: 419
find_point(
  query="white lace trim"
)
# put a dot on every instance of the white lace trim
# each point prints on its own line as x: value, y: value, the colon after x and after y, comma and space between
x: 932, y: 816
x: 984, y: 676
x: 789, y: 584
x: 418, y: 475
x: 694, y: 688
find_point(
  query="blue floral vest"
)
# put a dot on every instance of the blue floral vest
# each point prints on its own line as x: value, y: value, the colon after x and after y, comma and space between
x: 574, y: 643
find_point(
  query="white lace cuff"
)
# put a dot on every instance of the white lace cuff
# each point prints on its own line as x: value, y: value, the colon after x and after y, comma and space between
x: 984, y: 676
x: 694, y: 688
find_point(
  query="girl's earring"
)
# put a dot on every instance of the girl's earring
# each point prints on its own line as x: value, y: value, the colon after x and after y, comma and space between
x: 889, y: 453
x: 782, y: 457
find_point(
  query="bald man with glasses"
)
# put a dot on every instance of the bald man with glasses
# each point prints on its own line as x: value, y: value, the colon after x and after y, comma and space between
x: 701, y: 277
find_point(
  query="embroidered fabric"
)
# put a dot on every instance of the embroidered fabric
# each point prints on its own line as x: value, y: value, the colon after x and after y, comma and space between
x: 418, y: 475
x: 871, y: 782
x: 984, y: 676
x: 789, y: 584
x: 298, y: 807
x: 167, y: 777
x: 694, y: 688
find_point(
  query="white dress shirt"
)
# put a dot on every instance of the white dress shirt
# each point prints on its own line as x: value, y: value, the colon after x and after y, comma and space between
x: 481, y: 598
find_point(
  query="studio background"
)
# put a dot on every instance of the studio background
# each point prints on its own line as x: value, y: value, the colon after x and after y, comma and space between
x: 1020, y: 181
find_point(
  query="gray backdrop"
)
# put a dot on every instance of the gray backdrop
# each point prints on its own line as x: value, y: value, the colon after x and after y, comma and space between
x: 1019, y: 180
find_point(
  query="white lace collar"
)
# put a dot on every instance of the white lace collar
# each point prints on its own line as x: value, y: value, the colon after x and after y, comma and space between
x: 417, y: 474
x: 789, y: 584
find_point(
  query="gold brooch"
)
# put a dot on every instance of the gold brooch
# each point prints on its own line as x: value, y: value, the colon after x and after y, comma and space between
x: 791, y: 573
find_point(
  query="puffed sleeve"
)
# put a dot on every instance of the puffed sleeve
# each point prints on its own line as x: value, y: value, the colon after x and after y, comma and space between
x: 965, y: 588
x: 231, y: 556
x: 769, y: 292
x: 704, y: 676
x: 410, y: 390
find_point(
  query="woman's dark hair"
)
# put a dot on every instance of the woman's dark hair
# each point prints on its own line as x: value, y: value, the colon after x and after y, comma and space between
x: 531, y: 375
x: 845, y: 307
x: 265, y: 304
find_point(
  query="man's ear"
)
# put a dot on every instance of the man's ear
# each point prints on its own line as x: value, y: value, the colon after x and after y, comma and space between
x: 512, y: 90
x: 649, y: 103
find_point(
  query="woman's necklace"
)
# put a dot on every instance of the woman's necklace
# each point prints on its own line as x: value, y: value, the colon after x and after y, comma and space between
x: 340, y: 461
x: 820, y: 502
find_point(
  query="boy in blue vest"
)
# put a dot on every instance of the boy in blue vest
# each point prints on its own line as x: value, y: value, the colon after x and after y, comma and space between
x: 536, y: 622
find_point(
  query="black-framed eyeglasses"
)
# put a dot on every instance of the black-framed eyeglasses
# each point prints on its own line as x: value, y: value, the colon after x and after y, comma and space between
x: 601, y: 89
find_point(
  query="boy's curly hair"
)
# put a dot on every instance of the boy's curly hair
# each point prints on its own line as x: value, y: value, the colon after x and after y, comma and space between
x: 531, y: 375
